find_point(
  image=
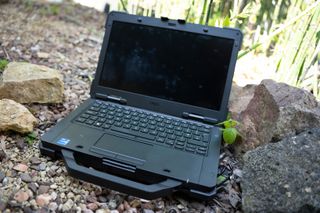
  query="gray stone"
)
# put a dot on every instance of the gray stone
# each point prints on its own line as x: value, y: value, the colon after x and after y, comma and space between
x: 25, y: 177
x: 283, y: 176
x: 15, y: 117
x: 30, y: 83
x: 43, y: 189
x: 2, y: 176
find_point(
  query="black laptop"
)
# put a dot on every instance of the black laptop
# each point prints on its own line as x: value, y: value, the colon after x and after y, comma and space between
x: 148, y: 128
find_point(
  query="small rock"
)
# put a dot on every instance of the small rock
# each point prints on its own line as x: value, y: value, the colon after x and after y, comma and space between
x: 92, y: 206
x: 42, y: 166
x: 53, y: 206
x: 101, y: 199
x: 43, y: 55
x: 30, y: 83
x: 91, y: 199
x: 2, y: 176
x: 43, y: 199
x: 54, y: 186
x: 15, y: 117
x: 25, y: 177
x: 147, y: 211
x: 70, y: 195
x: 33, y: 187
x: 21, y: 196
x: 21, y: 167
x: 3, y: 205
x: 103, y: 211
x: 67, y: 206
x: 35, y: 161
x: 135, y: 203
x: 43, y: 189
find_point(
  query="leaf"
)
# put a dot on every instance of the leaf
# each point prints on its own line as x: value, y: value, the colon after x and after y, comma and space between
x: 229, y: 135
x: 226, y: 21
x: 229, y: 123
x: 221, y: 179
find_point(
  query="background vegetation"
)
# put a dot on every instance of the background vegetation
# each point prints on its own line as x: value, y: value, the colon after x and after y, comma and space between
x: 285, y: 31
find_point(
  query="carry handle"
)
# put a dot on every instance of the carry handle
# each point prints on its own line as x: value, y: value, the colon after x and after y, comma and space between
x: 118, y: 183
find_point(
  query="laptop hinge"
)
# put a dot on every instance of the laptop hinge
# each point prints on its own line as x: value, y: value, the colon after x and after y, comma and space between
x: 111, y: 98
x: 199, y: 118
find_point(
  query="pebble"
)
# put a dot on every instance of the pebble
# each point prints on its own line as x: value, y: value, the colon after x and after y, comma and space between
x: 54, y: 186
x: 92, y: 206
x: 54, y: 195
x: 21, y: 196
x: 112, y: 204
x: 42, y: 166
x: 43, y: 189
x: 2, y: 176
x: 33, y: 187
x: 35, y: 161
x: 103, y: 211
x: 3, y: 205
x: 43, y: 200
x: 147, y: 211
x: 67, y: 206
x: 70, y: 195
x: 53, y: 206
x: 20, y: 167
x: 25, y: 177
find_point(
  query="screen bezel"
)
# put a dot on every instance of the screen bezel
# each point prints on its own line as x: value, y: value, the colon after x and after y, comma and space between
x: 158, y: 104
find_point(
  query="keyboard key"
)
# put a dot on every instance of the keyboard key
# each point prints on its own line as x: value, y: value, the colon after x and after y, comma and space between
x: 190, y: 149
x: 106, y: 126
x: 102, y: 120
x: 193, y: 127
x: 153, y: 132
x: 180, y: 143
x: 161, y: 129
x: 90, y: 112
x: 152, y: 127
x: 197, y: 143
x: 84, y: 116
x: 81, y: 120
x: 187, y: 135
x: 135, y: 128
x: 198, y: 138
x: 170, y: 142
x: 178, y: 147
x: 205, y: 137
x: 127, y: 126
x: 162, y: 134
x: 143, y: 125
x: 90, y: 122
x: 118, y: 124
x: 201, y: 152
x: 97, y: 124
x: 145, y: 130
x: 172, y: 137
x: 102, y: 115
x: 109, y: 122
x: 178, y: 133
x: 170, y: 131
x: 182, y: 139
x: 160, y: 140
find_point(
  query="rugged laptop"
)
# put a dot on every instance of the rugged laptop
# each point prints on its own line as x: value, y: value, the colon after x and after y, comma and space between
x: 148, y: 129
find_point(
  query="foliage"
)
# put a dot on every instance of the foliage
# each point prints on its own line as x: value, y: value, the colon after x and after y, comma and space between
x: 287, y: 31
x: 229, y: 132
x: 3, y: 64
x: 30, y: 138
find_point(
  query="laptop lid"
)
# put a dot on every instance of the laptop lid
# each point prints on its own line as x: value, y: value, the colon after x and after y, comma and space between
x: 167, y: 66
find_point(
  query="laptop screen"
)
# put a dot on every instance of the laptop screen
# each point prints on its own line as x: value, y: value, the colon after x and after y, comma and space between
x: 174, y: 65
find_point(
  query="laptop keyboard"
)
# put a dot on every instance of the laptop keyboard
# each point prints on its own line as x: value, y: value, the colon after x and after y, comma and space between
x: 159, y: 129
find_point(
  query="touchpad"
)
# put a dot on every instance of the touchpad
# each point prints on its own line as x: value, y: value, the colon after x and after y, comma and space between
x: 122, y: 148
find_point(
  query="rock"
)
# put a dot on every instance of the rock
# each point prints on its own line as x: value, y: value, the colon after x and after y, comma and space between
x: 43, y: 189
x: 21, y: 167
x: 25, y: 177
x: 275, y: 111
x: 283, y: 176
x: 240, y: 98
x: 21, y: 196
x: 35, y: 160
x: 43, y: 55
x: 33, y: 187
x: 92, y: 206
x: 15, y: 117
x: 30, y: 83
x: 2, y: 176
x: 67, y: 206
x: 103, y: 211
x: 43, y: 200
x: 53, y: 206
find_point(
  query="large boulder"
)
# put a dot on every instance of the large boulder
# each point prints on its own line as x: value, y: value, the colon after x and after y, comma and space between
x: 15, y: 117
x: 283, y: 176
x: 30, y: 83
x: 275, y: 110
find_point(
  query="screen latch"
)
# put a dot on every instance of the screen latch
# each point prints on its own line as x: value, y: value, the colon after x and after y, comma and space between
x: 199, y: 118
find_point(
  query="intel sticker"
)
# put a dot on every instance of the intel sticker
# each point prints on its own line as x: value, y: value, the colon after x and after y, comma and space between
x: 63, y: 141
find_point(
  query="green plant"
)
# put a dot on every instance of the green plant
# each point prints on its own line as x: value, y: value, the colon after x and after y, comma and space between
x: 3, y: 64
x: 229, y: 132
x: 30, y: 138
